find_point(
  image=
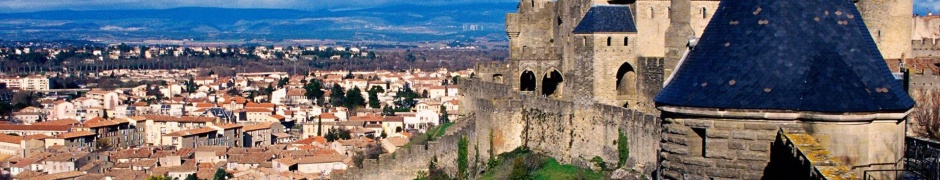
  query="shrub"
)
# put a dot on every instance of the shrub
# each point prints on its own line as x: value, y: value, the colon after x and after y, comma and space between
x: 462, y: 159
x: 519, y: 170
x: 623, y: 149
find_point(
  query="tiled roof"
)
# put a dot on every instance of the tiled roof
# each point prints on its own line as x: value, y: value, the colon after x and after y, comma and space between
x: 311, y: 140
x: 191, y: 132
x: 814, y: 55
x: 607, y: 18
x: 258, y: 110
x: 186, y: 119
x: 10, y: 139
x: 34, y: 127
x: 59, y: 122
x: 370, y: 117
x: 259, y: 126
x: 261, y: 105
x: 328, y: 116
x: 100, y: 122
x: 75, y: 134
x: 228, y: 126
x: 324, y: 158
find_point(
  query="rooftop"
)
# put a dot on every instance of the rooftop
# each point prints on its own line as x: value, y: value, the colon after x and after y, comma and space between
x: 607, y: 19
x: 814, y: 56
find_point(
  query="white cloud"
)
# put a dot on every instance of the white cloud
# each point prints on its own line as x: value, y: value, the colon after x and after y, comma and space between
x: 40, y: 5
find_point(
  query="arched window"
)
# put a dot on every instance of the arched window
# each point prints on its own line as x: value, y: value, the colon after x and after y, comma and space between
x: 533, y: 3
x: 527, y: 81
x: 609, y: 40
x: 626, y: 80
x: 626, y: 41
x: 498, y: 78
x: 551, y: 82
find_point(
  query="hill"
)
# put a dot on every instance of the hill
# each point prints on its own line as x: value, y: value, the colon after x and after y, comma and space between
x: 390, y: 23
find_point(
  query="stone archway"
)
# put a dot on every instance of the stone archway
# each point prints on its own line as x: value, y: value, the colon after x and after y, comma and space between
x: 551, y: 82
x: 626, y: 81
x: 498, y: 78
x: 527, y: 81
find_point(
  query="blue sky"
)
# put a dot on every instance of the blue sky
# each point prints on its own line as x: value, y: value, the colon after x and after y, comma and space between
x: 920, y: 6
x: 40, y: 5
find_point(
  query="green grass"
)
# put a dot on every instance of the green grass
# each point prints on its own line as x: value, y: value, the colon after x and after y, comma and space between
x: 434, y: 132
x: 440, y: 130
x: 547, y: 169
x: 552, y: 170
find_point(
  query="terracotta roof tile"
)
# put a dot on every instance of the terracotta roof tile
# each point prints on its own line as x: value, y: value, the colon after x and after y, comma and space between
x: 186, y: 119
x: 34, y: 127
x: 75, y: 134
x: 265, y: 125
x: 10, y: 139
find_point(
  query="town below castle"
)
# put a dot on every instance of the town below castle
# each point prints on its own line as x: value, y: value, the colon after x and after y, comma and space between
x: 590, y: 89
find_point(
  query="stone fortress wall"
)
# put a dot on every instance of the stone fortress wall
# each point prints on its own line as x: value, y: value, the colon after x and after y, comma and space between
x: 926, y: 48
x: 498, y: 120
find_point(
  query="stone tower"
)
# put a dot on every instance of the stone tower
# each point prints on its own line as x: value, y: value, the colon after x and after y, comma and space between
x: 606, y: 54
x: 725, y: 109
x: 595, y: 51
x: 679, y: 33
x: 890, y: 25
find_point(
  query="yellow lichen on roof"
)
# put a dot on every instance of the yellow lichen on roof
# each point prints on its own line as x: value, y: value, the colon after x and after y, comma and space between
x: 819, y: 157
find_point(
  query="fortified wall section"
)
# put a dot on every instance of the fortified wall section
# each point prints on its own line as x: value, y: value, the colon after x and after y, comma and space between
x: 926, y: 48
x: 567, y: 131
x: 406, y: 162
x: 499, y: 120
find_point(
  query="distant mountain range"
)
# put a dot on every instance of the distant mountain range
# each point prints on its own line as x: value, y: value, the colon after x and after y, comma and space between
x: 391, y: 23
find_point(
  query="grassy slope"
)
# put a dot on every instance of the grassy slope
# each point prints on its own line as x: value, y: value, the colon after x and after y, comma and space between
x: 548, y: 168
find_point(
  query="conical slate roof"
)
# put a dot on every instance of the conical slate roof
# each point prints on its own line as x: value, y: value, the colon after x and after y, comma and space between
x: 607, y: 19
x: 802, y: 55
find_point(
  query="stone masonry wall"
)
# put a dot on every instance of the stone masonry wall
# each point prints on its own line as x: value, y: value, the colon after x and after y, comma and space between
x: 567, y: 131
x: 704, y: 148
x: 498, y: 119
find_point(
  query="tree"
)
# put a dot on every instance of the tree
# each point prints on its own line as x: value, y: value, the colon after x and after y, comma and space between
x: 405, y: 97
x: 623, y: 149
x: 354, y: 98
x: 23, y: 99
x: 159, y: 178
x: 425, y: 94
x: 268, y: 90
x: 282, y: 82
x: 373, y: 98
x: 444, y: 116
x: 388, y: 111
x: 314, y: 90
x: 319, y: 126
x: 331, y: 135
x: 103, y: 144
x: 104, y: 114
x: 926, y: 114
x: 463, y: 162
x: 221, y: 174
x: 233, y: 92
x: 192, y: 177
x: 191, y: 85
x: 337, y: 96
x: 349, y: 75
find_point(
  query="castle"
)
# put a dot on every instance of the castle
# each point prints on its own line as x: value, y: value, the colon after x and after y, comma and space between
x: 736, y: 89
